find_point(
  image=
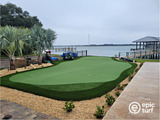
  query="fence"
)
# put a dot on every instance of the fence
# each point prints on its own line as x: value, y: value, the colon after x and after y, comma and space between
x: 82, y: 53
x: 150, y: 54
x: 71, y: 49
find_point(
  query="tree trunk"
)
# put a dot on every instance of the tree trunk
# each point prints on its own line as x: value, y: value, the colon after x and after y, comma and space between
x: 39, y: 60
x: 12, y: 65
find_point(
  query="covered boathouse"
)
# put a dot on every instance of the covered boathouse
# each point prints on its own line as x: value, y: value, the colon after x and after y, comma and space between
x: 148, y: 43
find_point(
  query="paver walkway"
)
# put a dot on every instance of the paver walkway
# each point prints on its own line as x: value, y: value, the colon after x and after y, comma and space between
x: 20, y: 112
x: 143, y: 89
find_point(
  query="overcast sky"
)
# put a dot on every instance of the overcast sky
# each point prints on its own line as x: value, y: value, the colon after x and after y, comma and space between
x: 106, y: 21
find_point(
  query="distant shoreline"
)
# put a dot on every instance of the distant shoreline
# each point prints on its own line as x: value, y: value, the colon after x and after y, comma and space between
x: 94, y: 45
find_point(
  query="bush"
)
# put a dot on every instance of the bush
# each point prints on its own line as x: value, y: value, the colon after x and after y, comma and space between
x: 119, y: 87
x: 117, y: 93
x: 110, y: 99
x: 69, y: 106
x: 16, y: 71
x: 124, y: 85
x: 130, y: 77
x: 100, y: 112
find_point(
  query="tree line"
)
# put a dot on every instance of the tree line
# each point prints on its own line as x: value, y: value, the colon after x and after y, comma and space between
x: 15, y: 16
x: 21, y: 33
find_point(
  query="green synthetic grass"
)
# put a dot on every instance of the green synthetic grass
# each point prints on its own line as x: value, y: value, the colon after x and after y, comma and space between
x: 146, y: 60
x: 80, y: 79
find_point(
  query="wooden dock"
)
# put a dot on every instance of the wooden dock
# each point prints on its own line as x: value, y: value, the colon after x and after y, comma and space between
x: 142, y: 54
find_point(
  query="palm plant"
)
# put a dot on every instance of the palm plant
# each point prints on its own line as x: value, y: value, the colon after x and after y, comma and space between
x: 38, y: 40
x: 42, y: 39
x: 12, y: 39
x: 50, y: 37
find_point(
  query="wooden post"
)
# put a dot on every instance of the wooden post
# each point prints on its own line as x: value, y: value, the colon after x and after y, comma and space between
x: 127, y: 54
x: 156, y: 55
x: 150, y: 56
x: 134, y: 54
x: 156, y: 47
x: 82, y: 52
x: 136, y: 45
x: 86, y: 52
x: 143, y: 45
x: 153, y: 46
x: 145, y: 54
x: 119, y: 55
x: 141, y: 54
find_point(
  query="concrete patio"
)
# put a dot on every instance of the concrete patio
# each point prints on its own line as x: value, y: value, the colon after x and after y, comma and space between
x: 144, y: 90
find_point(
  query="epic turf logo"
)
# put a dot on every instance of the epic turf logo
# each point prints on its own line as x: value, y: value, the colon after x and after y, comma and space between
x: 135, y: 107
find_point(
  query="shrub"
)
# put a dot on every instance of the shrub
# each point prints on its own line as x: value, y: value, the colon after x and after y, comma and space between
x: 69, y: 106
x: 130, y: 77
x: 119, y: 87
x: 25, y: 67
x: 110, y: 99
x: 116, y: 88
x: 117, y: 93
x: 124, y: 85
x: 100, y: 112
x: 42, y: 66
x: 16, y: 71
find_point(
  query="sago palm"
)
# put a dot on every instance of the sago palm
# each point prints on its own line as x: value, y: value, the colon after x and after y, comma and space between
x: 12, y: 39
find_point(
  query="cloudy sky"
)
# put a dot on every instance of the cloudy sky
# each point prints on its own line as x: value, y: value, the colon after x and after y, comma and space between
x: 105, y: 21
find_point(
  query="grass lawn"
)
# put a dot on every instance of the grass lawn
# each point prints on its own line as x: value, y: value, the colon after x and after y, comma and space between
x: 146, y: 60
x: 80, y: 79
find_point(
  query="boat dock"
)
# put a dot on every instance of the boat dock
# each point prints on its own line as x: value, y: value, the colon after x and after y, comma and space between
x: 140, y: 99
x: 141, y: 54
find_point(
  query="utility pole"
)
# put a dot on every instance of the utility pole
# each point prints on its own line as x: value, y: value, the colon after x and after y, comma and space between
x: 88, y: 39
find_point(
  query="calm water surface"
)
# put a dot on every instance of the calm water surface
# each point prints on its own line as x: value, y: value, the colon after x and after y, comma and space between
x: 109, y: 51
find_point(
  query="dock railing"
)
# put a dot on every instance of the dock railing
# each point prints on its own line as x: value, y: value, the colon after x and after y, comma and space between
x: 65, y: 49
x: 143, y: 54
x: 82, y: 53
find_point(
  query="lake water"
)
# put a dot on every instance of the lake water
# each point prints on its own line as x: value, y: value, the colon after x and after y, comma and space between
x: 109, y: 51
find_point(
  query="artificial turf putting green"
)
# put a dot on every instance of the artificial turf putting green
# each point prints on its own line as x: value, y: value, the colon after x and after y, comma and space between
x: 79, y: 79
